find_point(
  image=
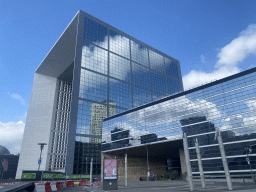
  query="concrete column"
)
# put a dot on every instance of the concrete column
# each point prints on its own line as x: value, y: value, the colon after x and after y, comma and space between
x: 188, y: 164
x: 91, y: 171
x: 224, y: 161
x: 200, y: 165
x: 182, y: 161
x: 125, y: 174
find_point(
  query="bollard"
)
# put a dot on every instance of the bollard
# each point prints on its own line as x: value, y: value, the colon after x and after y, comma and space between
x: 48, y: 187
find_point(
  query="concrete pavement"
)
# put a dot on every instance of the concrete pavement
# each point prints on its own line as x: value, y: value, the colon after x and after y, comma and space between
x: 164, y: 186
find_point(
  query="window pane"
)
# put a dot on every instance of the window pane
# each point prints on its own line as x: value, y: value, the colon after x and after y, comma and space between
x: 139, y: 53
x: 119, y: 44
x: 94, y: 58
x: 120, y: 93
x: 93, y: 86
x: 95, y: 33
x: 119, y: 68
x: 140, y: 75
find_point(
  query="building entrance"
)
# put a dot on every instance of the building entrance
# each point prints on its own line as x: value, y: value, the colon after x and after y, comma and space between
x: 157, y: 159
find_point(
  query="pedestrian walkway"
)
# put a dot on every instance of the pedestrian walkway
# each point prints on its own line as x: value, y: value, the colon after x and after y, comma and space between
x: 164, y: 186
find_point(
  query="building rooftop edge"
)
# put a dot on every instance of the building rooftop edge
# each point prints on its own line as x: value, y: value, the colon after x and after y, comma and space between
x: 37, y: 70
x: 121, y: 32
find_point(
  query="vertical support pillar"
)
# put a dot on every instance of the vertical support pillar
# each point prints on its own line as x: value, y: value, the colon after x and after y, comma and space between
x: 224, y: 161
x: 125, y: 174
x: 86, y: 166
x: 147, y: 164
x: 91, y: 171
x: 200, y: 165
x: 42, y: 176
x: 188, y: 164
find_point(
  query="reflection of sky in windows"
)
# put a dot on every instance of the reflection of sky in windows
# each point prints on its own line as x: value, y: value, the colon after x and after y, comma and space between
x: 173, y: 86
x: 120, y: 93
x: 83, y: 117
x: 226, y: 112
x: 94, y: 58
x: 140, y: 75
x: 118, y: 110
x: 140, y: 96
x: 119, y: 68
x: 95, y: 33
x: 139, y: 53
x: 156, y: 96
x: 172, y: 68
x: 158, y: 82
x: 82, y: 139
x: 119, y: 44
x: 156, y: 61
x: 93, y: 86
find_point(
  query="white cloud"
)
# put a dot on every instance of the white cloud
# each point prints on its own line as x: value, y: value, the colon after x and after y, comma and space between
x: 203, y: 58
x: 229, y: 57
x: 184, y: 109
x: 154, y: 115
x: 18, y: 97
x: 195, y: 78
x: 92, y: 58
x: 11, y: 136
x: 239, y: 48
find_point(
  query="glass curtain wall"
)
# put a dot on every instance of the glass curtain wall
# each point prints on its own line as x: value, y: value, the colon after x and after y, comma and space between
x: 117, y: 74
x: 228, y: 107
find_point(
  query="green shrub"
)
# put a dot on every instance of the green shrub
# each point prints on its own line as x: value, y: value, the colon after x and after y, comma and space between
x: 167, y: 174
x: 174, y: 175
x: 159, y: 177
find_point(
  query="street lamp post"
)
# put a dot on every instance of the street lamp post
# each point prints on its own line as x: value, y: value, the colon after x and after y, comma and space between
x: 41, y: 147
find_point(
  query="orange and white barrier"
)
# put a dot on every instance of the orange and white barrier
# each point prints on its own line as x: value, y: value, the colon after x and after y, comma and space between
x: 50, y: 186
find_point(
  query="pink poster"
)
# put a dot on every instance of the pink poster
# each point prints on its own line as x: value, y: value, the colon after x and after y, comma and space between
x: 110, y: 168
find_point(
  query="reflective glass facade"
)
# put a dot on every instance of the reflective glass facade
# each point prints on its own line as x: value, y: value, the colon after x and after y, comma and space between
x: 117, y: 73
x: 227, y: 105
x: 92, y: 72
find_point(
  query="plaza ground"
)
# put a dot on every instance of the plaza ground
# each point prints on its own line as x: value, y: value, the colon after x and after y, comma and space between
x: 164, y: 186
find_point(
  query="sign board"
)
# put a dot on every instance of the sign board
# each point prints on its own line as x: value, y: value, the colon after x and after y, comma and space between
x: 110, y: 179
x: 28, y: 176
x: 39, y: 161
x: 110, y: 168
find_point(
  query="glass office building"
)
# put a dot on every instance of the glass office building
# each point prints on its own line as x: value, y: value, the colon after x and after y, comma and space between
x: 227, y: 105
x: 92, y: 72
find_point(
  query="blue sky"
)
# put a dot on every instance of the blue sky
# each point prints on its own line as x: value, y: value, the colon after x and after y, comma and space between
x: 211, y: 39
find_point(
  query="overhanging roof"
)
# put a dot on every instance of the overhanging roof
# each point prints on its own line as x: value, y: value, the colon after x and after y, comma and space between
x: 163, y: 150
x: 62, y: 53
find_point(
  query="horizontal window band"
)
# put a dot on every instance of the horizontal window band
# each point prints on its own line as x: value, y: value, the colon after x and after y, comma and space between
x: 228, y: 157
x: 204, y: 146
x: 231, y: 171
x: 86, y: 135
x: 242, y: 141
